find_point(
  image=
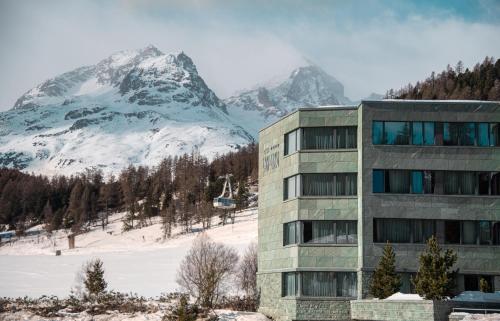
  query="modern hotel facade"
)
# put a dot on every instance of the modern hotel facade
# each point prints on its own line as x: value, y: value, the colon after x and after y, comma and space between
x: 337, y: 183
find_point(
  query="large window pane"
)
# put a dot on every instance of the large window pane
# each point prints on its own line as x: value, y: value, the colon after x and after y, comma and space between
x: 417, y: 133
x: 352, y: 232
x: 341, y: 137
x: 417, y: 182
x: 451, y: 182
x: 318, y: 184
x: 483, y: 138
x: 291, y: 142
x: 292, y: 187
x: 392, y: 230
x: 438, y: 133
x: 452, y: 232
x: 468, y: 134
x: 423, y: 230
x: 290, y: 284
x: 290, y: 231
x: 346, y: 284
x: 429, y: 182
x: 351, y: 184
x: 342, y: 232
x: 467, y: 183
x: 319, y: 284
x: 484, y: 183
x: 485, y: 233
x: 495, y: 183
x: 318, y: 138
x: 451, y: 134
x: 352, y: 140
x: 397, y: 133
x: 378, y: 133
x: 378, y: 181
x: 494, y: 134
x: 428, y: 133
x: 323, y: 232
x: 496, y: 233
x: 469, y: 235
x: 398, y: 181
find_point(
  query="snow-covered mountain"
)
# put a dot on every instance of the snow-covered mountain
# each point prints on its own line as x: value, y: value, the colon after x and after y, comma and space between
x: 307, y: 86
x: 134, y: 107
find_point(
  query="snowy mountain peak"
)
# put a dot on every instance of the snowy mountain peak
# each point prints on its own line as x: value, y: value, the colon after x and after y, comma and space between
x: 306, y: 86
x: 133, y: 107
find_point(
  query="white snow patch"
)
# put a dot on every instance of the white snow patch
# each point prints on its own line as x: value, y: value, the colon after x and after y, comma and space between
x: 404, y: 297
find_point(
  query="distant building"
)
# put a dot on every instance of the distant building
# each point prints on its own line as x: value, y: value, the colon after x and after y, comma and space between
x: 337, y: 183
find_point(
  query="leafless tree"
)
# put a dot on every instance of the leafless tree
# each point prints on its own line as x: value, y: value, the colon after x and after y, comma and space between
x: 247, y: 272
x: 206, y: 270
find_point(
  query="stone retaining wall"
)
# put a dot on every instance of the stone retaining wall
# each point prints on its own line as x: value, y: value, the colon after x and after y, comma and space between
x: 378, y: 310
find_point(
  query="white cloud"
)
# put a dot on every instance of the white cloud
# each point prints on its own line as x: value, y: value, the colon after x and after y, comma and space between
x: 41, y: 40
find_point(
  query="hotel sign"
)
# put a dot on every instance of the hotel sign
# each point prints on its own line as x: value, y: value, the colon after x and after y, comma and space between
x: 271, y: 159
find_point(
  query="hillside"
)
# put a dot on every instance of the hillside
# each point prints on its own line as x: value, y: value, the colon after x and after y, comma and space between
x: 28, y: 265
x: 479, y: 83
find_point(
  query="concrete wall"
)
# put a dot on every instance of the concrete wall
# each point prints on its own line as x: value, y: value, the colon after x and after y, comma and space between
x: 471, y: 258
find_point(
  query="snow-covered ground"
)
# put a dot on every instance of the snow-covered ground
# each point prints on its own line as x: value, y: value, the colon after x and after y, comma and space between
x: 224, y: 315
x: 138, y: 261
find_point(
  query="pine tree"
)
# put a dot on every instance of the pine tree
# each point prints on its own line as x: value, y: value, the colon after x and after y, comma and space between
x: 435, y: 280
x: 385, y: 281
x: 483, y: 285
x: 48, y: 217
x: 94, y: 278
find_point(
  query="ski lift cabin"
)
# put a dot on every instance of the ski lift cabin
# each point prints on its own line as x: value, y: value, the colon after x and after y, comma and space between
x: 225, y: 202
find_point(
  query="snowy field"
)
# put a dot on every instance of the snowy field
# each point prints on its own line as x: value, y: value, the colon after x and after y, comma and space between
x: 138, y: 261
x: 224, y: 315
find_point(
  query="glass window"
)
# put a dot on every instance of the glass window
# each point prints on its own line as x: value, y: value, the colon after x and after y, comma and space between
x: 428, y: 133
x: 468, y: 134
x: 352, y: 232
x: 483, y: 138
x: 451, y: 182
x: 485, y: 233
x: 438, y: 134
x: 429, y: 182
x: 329, y: 184
x: 341, y: 137
x: 290, y: 233
x: 323, y: 232
x: 484, y: 183
x: 319, y: 284
x: 307, y: 231
x: 417, y: 133
x: 494, y: 134
x: 397, y: 132
x: 496, y: 233
x: 417, y: 182
x: 423, y: 230
x: 318, y: 138
x: 468, y: 183
x: 452, y: 232
x: 378, y: 133
x: 346, y: 284
x: 471, y: 282
x: 469, y: 235
x: 292, y: 187
x: 290, y: 284
x: 398, y: 181
x: 495, y: 183
x: 450, y: 134
x: 291, y: 142
x: 392, y: 230
x: 342, y: 233
x: 378, y: 181
x: 352, y: 137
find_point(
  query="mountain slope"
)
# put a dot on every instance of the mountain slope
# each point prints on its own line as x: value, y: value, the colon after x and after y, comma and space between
x: 134, y: 107
x: 307, y: 86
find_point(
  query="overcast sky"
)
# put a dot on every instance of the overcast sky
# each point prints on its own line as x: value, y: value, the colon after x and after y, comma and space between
x: 370, y: 46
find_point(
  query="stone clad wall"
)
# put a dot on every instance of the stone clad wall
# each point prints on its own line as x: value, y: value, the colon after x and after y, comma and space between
x: 379, y: 310
x: 321, y: 309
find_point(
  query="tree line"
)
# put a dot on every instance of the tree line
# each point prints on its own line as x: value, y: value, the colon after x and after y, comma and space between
x: 480, y: 83
x: 180, y: 190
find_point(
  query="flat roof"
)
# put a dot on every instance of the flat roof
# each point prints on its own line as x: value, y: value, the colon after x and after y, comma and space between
x: 399, y: 101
